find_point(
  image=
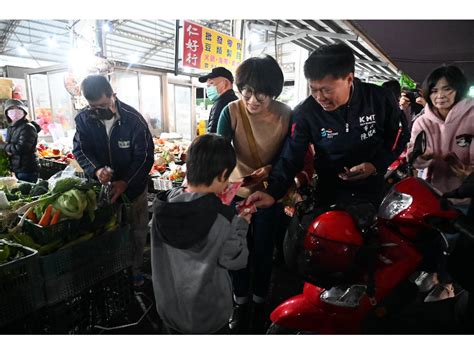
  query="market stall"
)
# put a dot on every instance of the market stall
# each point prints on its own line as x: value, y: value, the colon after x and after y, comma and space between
x: 59, y: 241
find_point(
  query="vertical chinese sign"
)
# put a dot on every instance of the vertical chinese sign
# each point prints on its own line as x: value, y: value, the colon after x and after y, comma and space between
x: 204, y: 48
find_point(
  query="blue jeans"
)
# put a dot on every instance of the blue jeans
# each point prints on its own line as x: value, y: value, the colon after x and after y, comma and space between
x: 29, y: 177
x: 260, y: 238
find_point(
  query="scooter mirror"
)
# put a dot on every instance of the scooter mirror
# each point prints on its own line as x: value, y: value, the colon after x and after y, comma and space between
x: 419, y: 147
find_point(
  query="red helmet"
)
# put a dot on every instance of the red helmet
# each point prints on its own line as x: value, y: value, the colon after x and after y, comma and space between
x: 332, y: 242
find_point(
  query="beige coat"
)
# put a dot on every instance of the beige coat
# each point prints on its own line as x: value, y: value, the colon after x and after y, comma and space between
x: 269, y: 129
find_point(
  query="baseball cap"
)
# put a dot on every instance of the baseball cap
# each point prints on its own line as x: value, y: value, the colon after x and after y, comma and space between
x: 217, y: 72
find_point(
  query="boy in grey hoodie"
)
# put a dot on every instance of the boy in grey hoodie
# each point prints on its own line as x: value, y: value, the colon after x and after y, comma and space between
x: 195, y: 240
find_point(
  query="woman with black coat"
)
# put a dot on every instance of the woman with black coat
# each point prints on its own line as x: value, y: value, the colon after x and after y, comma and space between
x: 20, y: 145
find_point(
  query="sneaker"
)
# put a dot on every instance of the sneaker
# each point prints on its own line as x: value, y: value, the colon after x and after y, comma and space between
x: 138, y: 280
x: 238, y: 322
x: 426, y: 281
x: 440, y: 292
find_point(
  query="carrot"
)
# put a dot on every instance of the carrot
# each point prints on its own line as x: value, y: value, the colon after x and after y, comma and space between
x: 44, y: 221
x: 31, y: 216
x: 55, y: 218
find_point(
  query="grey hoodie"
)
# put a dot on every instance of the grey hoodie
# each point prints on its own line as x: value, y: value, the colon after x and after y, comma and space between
x: 195, y: 240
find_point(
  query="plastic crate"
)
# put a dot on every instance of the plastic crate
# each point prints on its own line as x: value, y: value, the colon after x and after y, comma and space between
x: 64, y: 230
x: 69, y: 271
x: 52, y: 164
x: 21, y: 288
x: 69, y: 229
x: 98, y: 305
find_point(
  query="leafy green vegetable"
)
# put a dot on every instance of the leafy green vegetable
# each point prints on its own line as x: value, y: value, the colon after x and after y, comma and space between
x: 38, y: 190
x: 25, y: 188
x: 71, y: 203
x: 66, y: 184
x: 4, y: 167
x: 91, y: 203
x: 43, y: 183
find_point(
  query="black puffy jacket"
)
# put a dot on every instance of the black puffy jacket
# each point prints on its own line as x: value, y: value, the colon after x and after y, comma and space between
x: 21, y: 141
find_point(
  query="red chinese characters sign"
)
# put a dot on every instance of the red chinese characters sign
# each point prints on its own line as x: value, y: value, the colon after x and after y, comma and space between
x: 204, y: 48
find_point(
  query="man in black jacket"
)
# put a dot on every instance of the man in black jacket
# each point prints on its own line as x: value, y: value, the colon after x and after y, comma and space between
x: 355, y: 128
x: 219, y: 90
x: 114, y: 145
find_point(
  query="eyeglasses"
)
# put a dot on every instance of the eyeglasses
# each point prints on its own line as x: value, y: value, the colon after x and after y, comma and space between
x: 247, y: 94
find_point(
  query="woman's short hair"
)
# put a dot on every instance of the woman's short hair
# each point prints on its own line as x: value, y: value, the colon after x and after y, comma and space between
x: 208, y: 157
x: 262, y: 74
x: 455, y: 78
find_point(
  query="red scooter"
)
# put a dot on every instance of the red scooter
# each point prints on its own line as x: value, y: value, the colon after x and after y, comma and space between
x: 357, y: 265
x: 397, y: 171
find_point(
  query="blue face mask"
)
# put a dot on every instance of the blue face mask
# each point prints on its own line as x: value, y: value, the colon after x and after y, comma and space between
x: 212, y: 93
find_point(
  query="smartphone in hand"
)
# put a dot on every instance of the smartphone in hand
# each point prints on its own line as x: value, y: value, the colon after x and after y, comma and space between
x: 350, y: 174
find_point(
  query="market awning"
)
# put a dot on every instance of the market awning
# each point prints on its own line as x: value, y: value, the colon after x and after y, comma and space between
x: 146, y: 42
x: 311, y: 34
x: 418, y: 46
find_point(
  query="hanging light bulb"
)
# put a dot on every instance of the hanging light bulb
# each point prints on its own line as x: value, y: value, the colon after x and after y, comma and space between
x: 22, y: 50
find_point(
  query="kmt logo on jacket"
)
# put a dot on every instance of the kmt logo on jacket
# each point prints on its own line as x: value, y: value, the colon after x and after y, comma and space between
x: 367, y: 120
x: 368, y: 124
x: 328, y: 133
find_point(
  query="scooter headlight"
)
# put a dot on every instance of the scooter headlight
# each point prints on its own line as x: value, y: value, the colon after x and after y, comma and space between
x: 394, y: 203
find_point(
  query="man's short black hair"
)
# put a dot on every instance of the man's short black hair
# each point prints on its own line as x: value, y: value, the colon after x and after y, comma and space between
x: 262, y: 74
x: 334, y: 59
x: 394, y: 87
x: 94, y: 86
x: 207, y: 158
x: 455, y: 78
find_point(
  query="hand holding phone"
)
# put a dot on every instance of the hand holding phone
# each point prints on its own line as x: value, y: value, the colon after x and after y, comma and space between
x: 349, y: 174
x: 358, y: 172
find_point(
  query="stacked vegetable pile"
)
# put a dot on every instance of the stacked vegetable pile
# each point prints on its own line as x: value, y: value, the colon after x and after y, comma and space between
x: 9, y: 252
x: 68, y: 200
x: 59, y: 218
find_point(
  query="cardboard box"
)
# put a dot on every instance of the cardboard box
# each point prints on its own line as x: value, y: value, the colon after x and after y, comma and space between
x: 6, y: 88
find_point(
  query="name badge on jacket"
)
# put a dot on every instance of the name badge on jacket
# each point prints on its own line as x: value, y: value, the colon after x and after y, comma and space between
x: 124, y: 144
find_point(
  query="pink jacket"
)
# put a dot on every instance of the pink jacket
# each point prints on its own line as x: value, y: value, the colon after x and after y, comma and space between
x: 442, y: 137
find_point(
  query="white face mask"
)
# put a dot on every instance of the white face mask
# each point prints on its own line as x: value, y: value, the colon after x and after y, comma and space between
x: 15, y: 114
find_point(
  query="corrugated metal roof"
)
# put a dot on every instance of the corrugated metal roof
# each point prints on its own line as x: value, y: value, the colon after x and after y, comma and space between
x: 311, y: 34
x: 148, y: 42
x: 152, y: 42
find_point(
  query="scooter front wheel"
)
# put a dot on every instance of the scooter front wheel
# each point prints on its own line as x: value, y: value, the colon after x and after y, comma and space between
x: 276, y: 329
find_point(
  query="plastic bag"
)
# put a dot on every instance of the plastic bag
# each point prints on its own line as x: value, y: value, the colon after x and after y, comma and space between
x: 8, y: 181
x: 69, y: 172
